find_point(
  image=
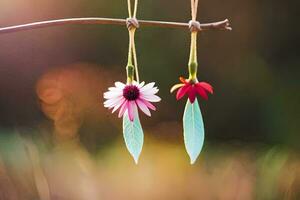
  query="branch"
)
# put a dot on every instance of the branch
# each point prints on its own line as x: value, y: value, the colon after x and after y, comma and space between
x: 221, y: 25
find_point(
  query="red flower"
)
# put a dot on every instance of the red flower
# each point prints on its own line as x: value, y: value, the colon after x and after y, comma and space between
x: 192, y: 88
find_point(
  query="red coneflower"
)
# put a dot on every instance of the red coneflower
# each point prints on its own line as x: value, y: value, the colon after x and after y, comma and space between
x: 191, y: 88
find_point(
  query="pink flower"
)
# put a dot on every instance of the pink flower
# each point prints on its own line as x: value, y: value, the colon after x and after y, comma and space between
x: 191, y: 88
x: 129, y: 97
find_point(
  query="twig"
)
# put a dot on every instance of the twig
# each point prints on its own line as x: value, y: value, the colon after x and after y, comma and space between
x: 221, y: 25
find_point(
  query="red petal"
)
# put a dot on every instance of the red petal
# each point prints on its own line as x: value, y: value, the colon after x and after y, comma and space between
x: 206, y: 86
x: 201, y: 92
x: 182, y: 91
x: 192, y: 94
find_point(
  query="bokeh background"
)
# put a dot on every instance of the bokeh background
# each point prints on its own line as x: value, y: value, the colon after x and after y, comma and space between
x: 58, y: 142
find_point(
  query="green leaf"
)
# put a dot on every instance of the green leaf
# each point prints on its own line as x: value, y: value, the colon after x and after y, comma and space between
x: 133, y: 135
x: 193, y: 130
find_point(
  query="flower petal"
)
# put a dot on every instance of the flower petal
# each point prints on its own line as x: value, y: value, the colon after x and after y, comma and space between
x: 143, y: 107
x: 151, y: 98
x: 124, y: 107
x: 114, y: 89
x: 119, y: 104
x: 141, y: 84
x: 182, y: 91
x: 206, y: 86
x: 131, y: 110
x: 135, y: 109
x: 147, y: 86
x: 112, y: 102
x: 148, y: 104
x: 201, y: 92
x: 112, y: 94
x: 175, y: 87
x: 192, y: 94
x: 151, y: 91
x: 120, y: 85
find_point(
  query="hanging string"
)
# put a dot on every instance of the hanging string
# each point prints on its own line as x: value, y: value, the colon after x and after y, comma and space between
x: 129, y: 8
x: 193, y: 9
x: 194, y: 28
x: 132, y: 25
x: 196, y: 8
x: 133, y: 45
x: 135, y: 8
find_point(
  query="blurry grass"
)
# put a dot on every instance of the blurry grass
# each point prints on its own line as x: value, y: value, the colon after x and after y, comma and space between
x: 223, y: 171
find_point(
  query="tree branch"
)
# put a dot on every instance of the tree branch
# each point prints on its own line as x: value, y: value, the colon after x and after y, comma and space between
x: 221, y: 25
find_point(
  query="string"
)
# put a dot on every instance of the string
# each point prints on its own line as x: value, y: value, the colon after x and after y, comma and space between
x: 193, y: 9
x: 135, y: 8
x: 193, y: 63
x: 132, y: 55
x: 135, y: 58
x: 196, y: 9
x: 129, y: 8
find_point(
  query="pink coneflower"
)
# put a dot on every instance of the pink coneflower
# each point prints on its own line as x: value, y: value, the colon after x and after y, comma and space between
x: 191, y: 88
x: 127, y: 97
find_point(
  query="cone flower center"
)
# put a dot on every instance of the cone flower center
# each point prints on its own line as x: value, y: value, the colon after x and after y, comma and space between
x: 131, y: 92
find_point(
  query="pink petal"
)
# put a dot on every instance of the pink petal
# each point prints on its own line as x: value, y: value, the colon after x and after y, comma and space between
x: 206, y: 86
x: 135, y: 109
x: 112, y: 102
x: 201, y: 92
x: 131, y: 110
x: 148, y: 104
x: 143, y: 107
x: 192, y: 94
x: 124, y: 107
x: 182, y: 91
x: 120, y: 103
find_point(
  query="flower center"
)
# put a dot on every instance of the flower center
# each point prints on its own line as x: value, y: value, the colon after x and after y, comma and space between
x: 131, y: 92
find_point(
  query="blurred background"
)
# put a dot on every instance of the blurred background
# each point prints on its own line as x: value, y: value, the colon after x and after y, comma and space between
x: 58, y: 142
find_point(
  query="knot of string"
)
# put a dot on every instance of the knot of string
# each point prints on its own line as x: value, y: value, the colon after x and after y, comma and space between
x: 132, y: 24
x: 194, y: 25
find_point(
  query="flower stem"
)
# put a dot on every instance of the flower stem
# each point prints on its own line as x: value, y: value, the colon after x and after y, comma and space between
x: 193, y: 63
x: 130, y: 66
x: 130, y: 73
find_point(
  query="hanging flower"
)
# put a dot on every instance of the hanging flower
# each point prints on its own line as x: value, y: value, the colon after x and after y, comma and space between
x: 191, y: 88
x: 127, y: 97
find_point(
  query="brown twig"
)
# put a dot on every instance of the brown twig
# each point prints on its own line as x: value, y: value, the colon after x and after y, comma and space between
x: 221, y: 25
